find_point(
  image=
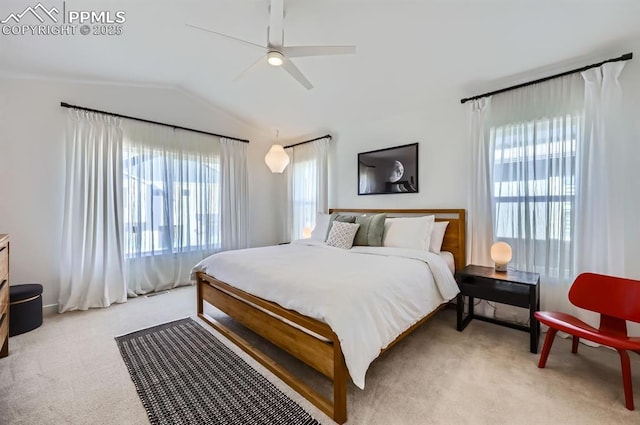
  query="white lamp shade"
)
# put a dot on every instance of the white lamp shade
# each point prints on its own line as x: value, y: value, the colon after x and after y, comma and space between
x: 306, y: 232
x: 276, y: 159
x: 501, y: 255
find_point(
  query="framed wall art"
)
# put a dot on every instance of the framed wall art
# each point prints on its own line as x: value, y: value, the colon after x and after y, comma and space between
x: 389, y: 170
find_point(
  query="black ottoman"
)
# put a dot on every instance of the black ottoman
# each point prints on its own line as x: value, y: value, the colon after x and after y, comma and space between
x: 25, y: 308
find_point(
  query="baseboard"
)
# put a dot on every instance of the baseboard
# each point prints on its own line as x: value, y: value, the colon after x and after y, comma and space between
x: 50, y: 310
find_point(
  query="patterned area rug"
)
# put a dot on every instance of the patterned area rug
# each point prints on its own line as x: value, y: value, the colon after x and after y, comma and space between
x: 184, y: 375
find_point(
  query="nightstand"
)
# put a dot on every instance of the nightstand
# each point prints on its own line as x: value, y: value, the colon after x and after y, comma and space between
x: 520, y: 289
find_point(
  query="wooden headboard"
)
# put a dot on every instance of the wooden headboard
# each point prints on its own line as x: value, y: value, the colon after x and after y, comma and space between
x: 454, y: 237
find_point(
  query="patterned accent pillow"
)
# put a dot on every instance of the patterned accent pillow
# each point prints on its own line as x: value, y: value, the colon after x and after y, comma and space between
x: 339, y: 217
x: 341, y: 234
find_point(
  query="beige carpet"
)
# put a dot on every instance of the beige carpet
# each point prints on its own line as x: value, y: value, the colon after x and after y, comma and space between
x: 69, y: 371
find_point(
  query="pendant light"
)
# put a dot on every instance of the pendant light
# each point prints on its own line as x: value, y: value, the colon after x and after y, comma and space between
x: 276, y: 159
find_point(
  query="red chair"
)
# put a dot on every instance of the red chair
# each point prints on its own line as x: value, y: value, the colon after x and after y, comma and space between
x: 617, y: 300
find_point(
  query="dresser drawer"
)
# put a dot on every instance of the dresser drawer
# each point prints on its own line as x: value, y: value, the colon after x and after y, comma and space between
x: 4, y: 261
x: 4, y: 327
x: 4, y: 296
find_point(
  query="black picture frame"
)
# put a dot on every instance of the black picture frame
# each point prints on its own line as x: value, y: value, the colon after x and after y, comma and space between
x: 388, y: 171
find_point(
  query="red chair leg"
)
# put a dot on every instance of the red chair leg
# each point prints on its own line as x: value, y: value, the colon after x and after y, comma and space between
x: 546, y: 348
x: 574, y: 347
x: 626, y: 378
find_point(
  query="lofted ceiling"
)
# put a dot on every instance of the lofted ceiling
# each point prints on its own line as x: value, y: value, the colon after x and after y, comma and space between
x: 408, y: 52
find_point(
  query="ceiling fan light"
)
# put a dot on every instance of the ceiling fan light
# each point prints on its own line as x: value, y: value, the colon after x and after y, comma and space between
x: 275, y: 58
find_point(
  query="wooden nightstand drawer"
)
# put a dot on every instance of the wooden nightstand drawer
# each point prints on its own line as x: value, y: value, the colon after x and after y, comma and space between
x: 494, y: 290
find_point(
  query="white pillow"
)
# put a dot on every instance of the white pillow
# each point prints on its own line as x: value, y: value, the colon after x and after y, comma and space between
x: 319, y: 232
x: 408, y: 232
x: 437, y: 236
x: 342, y: 234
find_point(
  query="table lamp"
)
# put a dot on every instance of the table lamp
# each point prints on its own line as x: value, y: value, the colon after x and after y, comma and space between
x: 501, y: 255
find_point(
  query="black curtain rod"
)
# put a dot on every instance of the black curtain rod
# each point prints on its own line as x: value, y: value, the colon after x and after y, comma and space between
x: 82, y: 108
x: 624, y: 57
x: 309, y: 141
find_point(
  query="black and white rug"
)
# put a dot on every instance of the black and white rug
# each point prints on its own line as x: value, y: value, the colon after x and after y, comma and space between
x: 184, y: 375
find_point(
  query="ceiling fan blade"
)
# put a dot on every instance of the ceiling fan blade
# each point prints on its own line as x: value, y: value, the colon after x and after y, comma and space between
x: 227, y: 36
x: 295, y: 73
x: 300, y: 51
x: 276, y: 19
x: 257, y: 64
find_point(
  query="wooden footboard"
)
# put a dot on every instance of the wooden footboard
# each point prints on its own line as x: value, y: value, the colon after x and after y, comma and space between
x: 324, y: 356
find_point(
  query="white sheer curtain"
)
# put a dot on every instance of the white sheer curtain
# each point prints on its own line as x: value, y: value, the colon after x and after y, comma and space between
x: 599, y: 188
x: 92, y: 269
x: 555, y: 163
x: 480, y: 231
x: 234, y: 193
x: 534, y: 137
x: 524, y: 172
x: 171, y: 204
x: 143, y: 204
x: 307, y: 186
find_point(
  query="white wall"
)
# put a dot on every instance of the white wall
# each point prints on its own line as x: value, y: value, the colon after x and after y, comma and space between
x: 32, y: 125
x: 439, y: 128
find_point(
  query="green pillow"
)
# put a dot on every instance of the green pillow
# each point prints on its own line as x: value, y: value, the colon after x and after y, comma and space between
x: 339, y: 217
x: 370, y: 230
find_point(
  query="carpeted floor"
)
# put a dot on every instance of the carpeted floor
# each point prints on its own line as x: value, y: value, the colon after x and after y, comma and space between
x: 69, y: 371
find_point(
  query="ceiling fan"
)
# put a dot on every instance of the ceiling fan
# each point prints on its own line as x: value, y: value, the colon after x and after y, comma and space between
x: 276, y: 53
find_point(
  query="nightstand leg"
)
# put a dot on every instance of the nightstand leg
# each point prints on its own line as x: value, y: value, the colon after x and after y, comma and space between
x: 459, y: 311
x: 534, y: 326
x: 538, y: 323
x: 462, y: 321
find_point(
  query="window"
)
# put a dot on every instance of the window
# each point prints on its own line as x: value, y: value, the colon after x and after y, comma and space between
x: 304, y: 197
x: 307, y: 186
x: 170, y: 201
x: 534, y: 177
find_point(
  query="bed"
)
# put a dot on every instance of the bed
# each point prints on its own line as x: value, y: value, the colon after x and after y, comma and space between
x: 320, y: 329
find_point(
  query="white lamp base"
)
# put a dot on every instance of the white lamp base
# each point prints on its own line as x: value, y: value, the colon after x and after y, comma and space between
x: 501, y: 267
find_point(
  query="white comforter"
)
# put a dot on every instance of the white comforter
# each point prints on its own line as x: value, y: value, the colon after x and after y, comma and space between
x: 367, y: 295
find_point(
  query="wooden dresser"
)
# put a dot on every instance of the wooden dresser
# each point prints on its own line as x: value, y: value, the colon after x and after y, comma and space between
x: 4, y: 295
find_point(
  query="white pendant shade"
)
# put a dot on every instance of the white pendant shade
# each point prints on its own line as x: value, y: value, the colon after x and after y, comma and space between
x: 276, y: 159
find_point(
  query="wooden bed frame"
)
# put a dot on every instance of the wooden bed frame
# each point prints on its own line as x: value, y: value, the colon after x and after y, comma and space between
x: 325, y: 356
